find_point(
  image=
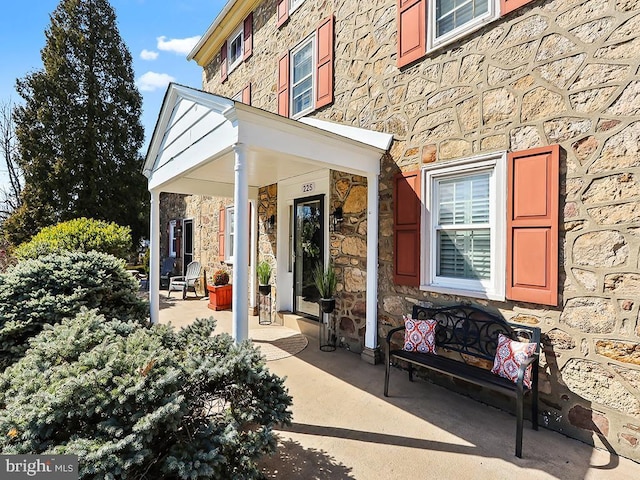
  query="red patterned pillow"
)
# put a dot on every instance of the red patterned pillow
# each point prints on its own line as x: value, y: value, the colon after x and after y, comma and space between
x: 419, y: 335
x: 509, y: 356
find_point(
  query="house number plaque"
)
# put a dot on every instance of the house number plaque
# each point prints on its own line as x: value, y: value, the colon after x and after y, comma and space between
x: 308, y: 187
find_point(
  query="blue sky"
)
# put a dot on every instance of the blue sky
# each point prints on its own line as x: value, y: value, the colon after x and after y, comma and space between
x: 158, y: 33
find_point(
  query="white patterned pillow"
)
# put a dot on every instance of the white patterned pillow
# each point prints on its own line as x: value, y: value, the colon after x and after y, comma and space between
x: 419, y: 335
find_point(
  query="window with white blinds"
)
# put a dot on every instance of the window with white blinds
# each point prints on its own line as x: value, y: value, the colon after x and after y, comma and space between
x: 463, y: 229
x: 464, y: 247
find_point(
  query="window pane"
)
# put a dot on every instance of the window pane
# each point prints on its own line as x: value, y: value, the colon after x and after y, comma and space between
x: 451, y: 14
x: 302, y: 63
x: 464, y: 200
x: 464, y: 254
x: 302, y: 96
x: 230, y: 230
x: 235, y: 49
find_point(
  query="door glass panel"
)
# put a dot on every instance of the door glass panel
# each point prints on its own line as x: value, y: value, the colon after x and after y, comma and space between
x: 188, y: 244
x: 309, y: 248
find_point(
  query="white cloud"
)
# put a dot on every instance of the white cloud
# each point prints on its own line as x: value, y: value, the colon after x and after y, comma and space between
x: 150, y: 81
x: 148, y: 54
x: 177, y: 45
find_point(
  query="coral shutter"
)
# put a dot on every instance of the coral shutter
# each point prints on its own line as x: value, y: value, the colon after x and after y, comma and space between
x: 507, y: 6
x: 246, y: 94
x: 412, y: 28
x: 406, y: 228
x: 224, y: 66
x: 532, y: 225
x: 283, y: 12
x: 283, y: 85
x: 221, y: 224
x: 324, y: 67
x: 248, y: 36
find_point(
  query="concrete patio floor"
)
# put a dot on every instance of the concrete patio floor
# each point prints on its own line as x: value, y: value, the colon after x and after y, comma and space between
x: 344, y: 428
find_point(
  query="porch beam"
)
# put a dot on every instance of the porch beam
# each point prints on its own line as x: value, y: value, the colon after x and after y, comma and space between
x: 239, y: 298
x: 371, y: 352
x: 154, y: 258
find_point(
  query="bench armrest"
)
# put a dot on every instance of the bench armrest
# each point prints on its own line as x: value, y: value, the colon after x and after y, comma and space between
x: 523, y: 368
x: 392, y: 331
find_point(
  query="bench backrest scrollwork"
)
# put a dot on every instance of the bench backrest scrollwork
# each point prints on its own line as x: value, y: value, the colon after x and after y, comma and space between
x: 471, y: 331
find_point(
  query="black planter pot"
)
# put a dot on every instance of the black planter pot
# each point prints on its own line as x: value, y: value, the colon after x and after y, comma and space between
x: 327, y: 304
x: 264, y: 289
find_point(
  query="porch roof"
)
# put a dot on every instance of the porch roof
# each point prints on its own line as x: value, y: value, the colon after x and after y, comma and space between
x: 192, y: 148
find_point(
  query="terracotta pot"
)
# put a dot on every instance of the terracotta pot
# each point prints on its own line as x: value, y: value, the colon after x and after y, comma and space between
x: 220, y: 296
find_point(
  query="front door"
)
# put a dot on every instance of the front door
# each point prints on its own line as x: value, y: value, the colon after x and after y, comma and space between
x: 187, y: 250
x: 309, y: 252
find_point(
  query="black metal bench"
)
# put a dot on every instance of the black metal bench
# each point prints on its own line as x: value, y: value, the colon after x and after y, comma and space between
x: 466, y: 332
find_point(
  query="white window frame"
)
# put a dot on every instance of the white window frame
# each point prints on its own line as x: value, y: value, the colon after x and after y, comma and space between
x: 239, y: 32
x: 229, y: 233
x: 172, y: 238
x: 494, y: 287
x: 311, y: 39
x: 237, y: 97
x: 294, y: 4
x: 433, y: 43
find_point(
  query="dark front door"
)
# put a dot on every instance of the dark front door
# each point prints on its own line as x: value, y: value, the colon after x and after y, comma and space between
x: 187, y: 250
x: 309, y: 252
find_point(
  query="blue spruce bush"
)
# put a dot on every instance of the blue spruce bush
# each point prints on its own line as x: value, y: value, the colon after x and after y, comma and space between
x: 136, y: 402
x: 43, y: 291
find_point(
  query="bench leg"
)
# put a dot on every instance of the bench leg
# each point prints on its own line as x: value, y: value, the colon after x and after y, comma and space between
x: 387, y: 367
x: 519, y: 420
x: 410, y: 372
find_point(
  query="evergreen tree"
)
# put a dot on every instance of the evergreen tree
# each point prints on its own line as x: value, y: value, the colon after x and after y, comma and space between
x: 79, y: 130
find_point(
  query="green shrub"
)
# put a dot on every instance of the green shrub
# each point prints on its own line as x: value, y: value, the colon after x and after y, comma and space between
x: 42, y: 291
x: 138, y: 402
x: 79, y: 235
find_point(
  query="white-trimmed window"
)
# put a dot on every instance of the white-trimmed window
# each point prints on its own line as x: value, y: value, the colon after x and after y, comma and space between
x: 173, y: 239
x: 235, y: 48
x: 451, y: 19
x: 302, y: 78
x: 229, y: 231
x: 465, y: 232
x: 293, y: 4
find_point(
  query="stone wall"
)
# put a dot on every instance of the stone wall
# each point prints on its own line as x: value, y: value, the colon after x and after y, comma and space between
x: 267, y: 240
x: 554, y: 72
x: 204, y: 212
x: 348, y: 250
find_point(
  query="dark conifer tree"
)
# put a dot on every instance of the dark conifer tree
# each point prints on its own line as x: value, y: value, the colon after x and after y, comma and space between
x: 79, y: 130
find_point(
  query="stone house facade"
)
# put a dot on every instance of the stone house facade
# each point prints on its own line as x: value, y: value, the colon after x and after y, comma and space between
x: 550, y: 80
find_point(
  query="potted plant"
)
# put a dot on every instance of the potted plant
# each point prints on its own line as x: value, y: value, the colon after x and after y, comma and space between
x: 264, y: 275
x: 220, y: 292
x: 326, y: 281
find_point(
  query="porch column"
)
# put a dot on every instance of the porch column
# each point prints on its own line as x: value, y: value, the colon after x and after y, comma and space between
x: 371, y: 352
x: 253, y: 211
x: 239, y: 305
x: 154, y: 258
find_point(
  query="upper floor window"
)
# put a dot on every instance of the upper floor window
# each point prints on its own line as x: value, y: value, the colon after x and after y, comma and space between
x: 286, y: 7
x: 305, y: 73
x: 425, y: 25
x: 453, y: 18
x: 453, y: 14
x: 302, y: 78
x: 237, y: 48
x: 293, y: 4
x: 234, y: 45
